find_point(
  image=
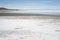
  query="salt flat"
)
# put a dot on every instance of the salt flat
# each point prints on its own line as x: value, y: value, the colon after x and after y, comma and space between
x: 29, y: 28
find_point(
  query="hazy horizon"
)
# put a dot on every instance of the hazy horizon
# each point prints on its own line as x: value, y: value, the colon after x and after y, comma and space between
x: 47, y: 6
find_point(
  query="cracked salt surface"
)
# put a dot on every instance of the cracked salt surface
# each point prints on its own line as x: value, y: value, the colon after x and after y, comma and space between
x: 29, y: 29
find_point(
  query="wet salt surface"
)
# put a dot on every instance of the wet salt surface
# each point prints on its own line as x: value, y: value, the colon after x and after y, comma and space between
x: 29, y: 29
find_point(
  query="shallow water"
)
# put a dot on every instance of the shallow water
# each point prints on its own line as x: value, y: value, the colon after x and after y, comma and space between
x: 32, y: 11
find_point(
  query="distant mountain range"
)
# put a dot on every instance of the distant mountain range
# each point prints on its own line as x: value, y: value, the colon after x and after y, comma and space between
x: 2, y: 8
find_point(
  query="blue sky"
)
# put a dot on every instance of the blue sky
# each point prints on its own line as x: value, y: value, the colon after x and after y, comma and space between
x: 34, y: 4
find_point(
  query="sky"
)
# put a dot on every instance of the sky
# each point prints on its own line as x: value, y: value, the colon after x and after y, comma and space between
x: 31, y: 4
